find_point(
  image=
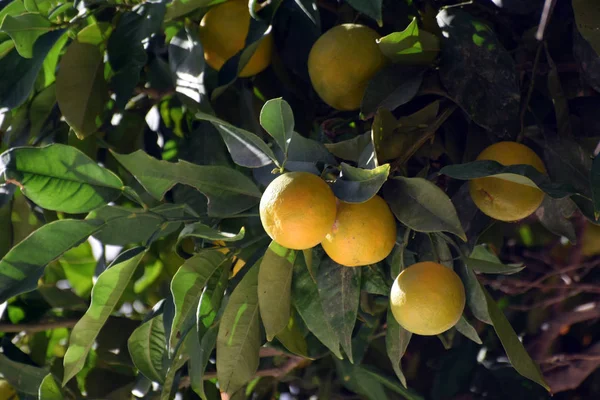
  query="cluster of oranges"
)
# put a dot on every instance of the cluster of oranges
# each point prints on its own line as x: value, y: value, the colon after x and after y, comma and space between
x: 298, y: 210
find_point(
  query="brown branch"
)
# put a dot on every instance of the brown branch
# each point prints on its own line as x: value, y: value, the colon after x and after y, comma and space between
x: 571, y: 375
x: 547, y: 302
x: 37, y: 327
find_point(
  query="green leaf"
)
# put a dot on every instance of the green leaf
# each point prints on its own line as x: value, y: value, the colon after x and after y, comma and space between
x: 373, y: 281
x: 595, y: 185
x: 467, y: 330
x: 390, y: 88
x: 134, y: 225
x: 59, y: 177
x: 482, y: 260
x: 356, y: 185
x: 277, y: 118
x: 23, y: 71
x: 308, y: 150
x: 523, y: 174
x: 186, y: 61
x: 51, y: 62
x: 351, y: 149
x: 246, y: 149
x: 339, y: 290
x: 24, y: 30
x: 371, y: 8
x: 211, y: 299
x: 23, y: 377
x: 305, y: 296
x: 396, y: 342
x: 390, y: 384
x: 81, y: 90
x: 95, y: 33
x: 475, y: 295
x: 199, y: 230
x: 356, y: 378
x: 587, y: 14
x: 41, y: 108
x: 515, y: 351
x: 422, y: 206
x: 291, y: 338
x: 181, y: 356
x: 147, y: 348
x: 238, y: 341
x: 274, y: 288
x: 179, y: 8
x: 49, y: 389
x: 200, y: 352
x: 554, y: 214
x: 105, y: 295
x: 411, y: 46
x: 79, y: 266
x: 228, y: 191
x: 187, y: 285
x: 24, y: 264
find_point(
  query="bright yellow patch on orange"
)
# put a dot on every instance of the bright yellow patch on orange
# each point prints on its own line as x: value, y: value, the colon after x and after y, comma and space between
x: 223, y: 32
x: 427, y: 298
x: 297, y: 210
x: 505, y: 200
x: 341, y: 63
x: 363, y: 233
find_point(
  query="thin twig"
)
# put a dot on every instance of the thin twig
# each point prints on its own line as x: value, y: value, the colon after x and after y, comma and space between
x: 546, y: 12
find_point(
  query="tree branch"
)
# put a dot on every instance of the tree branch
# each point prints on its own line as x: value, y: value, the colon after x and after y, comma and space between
x: 572, y: 374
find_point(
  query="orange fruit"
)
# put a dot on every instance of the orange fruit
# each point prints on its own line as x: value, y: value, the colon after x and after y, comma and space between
x: 297, y: 210
x: 502, y: 199
x: 427, y: 298
x: 363, y: 233
x: 341, y: 63
x: 223, y: 32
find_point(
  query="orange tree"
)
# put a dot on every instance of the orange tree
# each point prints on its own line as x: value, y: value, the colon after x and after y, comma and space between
x: 138, y: 137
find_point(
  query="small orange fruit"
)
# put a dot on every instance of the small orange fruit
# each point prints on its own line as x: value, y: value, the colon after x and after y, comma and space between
x: 502, y: 199
x: 427, y: 298
x: 342, y: 62
x: 363, y: 233
x: 297, y: 210
x: 223, y: 32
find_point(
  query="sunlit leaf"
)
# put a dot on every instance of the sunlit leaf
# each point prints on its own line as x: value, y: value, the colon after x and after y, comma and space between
x: 147, y: 347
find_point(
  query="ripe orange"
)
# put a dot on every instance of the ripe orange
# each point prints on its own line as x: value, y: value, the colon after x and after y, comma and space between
x: 427, y: 298
x: 505, y: 200
x: 341, y: 63
x: 223, y: 32
x: 363, y: 233
x: 297, y: 210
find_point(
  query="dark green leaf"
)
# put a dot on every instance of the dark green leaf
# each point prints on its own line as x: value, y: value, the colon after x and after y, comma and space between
x: 373, y: 281
x: 40, y: 109
x: 147, y: 347
x: 390, y: 384
x: 422, y: 206
x: 482, y: 260
x: 568, y: 163
x: 291, y: 338
x: 554, y: 214
x: 187, y: 285
x: 587, y: 13
x: 475, y: 295
x: 23, y: 71
x: 351, y: 149
x: 24, y: 264
x: 81, y: 90
x: 228, y: 190
x: 238, y: 341
x: 470, y: 49
x: 199, y: 230
x: 561, y: 103
x: 95, y: 33
x: 396, y: 341
x: 23, y: 377
x: 595, y: 185
x: 515, y: 351
x: 179, y: 8
x: 307, y: 150
x: 186, y: 60
x: 411, y: 46
x: 523, y: 174
x: 356, y: 185
x: 390, y: 88
x: 371, y: 8
x: 181, y: 356
x: 49, y: 389
x: 467, y: 330
x: 277, y: 118
x: 200, y: 352
x: 356, y: 378
x: 133, y: 225
x: 59, y: 177
x: 307, y: 302
x: 246, y: 149
x: 105, y: 295
x: 24, y: 30
x: 339, y: 291
x: 274, y: 288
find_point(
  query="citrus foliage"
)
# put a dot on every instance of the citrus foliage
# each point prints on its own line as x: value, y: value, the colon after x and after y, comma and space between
x: 185, y: 184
